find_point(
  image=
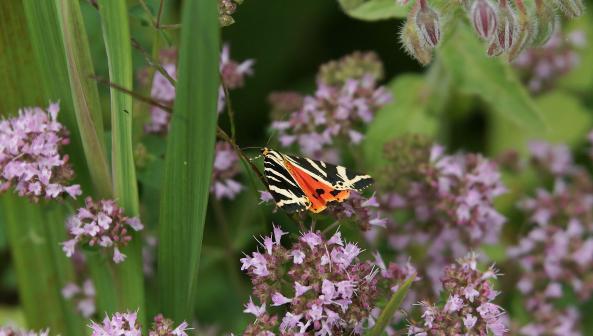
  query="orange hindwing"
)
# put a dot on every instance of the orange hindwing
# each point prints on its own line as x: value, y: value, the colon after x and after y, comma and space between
x: 318, y: 192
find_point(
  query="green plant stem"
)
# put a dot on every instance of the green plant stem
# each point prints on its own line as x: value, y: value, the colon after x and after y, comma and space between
x: 392, y: 306
x: 229, y: 247
x: 116, y: 34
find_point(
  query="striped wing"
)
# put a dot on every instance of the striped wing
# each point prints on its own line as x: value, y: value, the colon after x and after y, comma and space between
x: 338, y: 177
x: 286, y: 192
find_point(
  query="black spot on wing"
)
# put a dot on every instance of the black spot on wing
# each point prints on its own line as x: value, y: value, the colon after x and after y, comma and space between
x: 335, y: 192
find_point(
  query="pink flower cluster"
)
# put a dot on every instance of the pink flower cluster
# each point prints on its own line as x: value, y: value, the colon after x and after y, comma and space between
x: 233, y: 77
x: 101, y: 224
x: 10, y: 331
x: 556, y: 255
x: 165, y: 327
x: 443, y: 202
x: 226, y: 167
x: 83, y: 296
x: 30, y: 159
x: 126, y: 324
x: 330, y: 290
x: 346, y: 98
x: 364, y: 211
x: 541, y: 67
x: 469, y: 308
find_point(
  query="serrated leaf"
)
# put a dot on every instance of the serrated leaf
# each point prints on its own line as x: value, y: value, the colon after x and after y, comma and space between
x: 374, y: 10
x: 492, y: 79
x: 407, y: 114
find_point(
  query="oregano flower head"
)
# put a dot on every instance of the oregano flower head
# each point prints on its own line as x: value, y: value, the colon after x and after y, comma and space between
x: 318, y: 286
x: 30, y: 155
x: 103, y: 225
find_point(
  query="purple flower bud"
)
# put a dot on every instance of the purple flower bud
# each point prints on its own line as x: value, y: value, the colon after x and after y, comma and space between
x: 506, y: 31
x: 428, y: 24
x: 571, y: 8
x: 483, y: 17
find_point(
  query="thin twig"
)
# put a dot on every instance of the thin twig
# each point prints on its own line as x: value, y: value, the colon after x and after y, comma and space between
x: 170, y: 26
x: 148, y: 12
x: 136, y: 95
x: 229, y: 108
x: 224, y: 136
x: 330, y: 227
x: 158, y: 17
x: 152, y: 62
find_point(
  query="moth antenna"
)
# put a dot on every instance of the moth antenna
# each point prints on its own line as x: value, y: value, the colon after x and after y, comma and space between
x: 244, y: 148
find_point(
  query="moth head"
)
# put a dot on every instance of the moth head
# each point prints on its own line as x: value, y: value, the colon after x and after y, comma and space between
x: 265, y: 151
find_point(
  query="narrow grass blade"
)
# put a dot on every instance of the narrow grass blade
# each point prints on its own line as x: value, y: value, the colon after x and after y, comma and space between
x: 189, y: 156
x: 84, y: 92
x: 116, y: 34
x: 38, y: 280
x: 392, y: 306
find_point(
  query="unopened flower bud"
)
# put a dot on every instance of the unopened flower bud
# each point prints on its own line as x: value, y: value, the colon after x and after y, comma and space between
x: 494, y: 49
x: 571, y: 8
x: 225, y: 20
x: 545, y: 25
x: 525, y: 31
x: 428, y: 23
x: 483, y: 17
x: 506, y: 31
x: 411, y: 40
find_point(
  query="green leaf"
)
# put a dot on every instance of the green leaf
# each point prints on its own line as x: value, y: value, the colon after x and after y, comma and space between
x: 392, y: 306
x: 41, y: 267
x: 189, y: 158
x: 84, y: 92
x: 116, y: 34
x: 568, y: 119
x: 492, y: 79
x: 407, y: 114
x: 374, y: 10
